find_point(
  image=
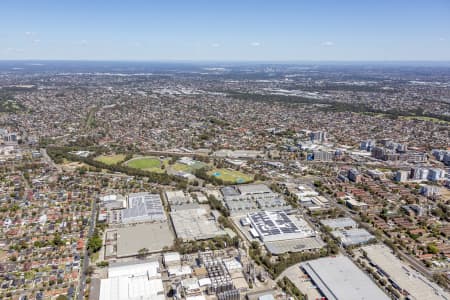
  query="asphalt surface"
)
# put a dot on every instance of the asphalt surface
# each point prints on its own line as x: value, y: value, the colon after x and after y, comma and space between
x: 48, y: 159
x: 82, y: 284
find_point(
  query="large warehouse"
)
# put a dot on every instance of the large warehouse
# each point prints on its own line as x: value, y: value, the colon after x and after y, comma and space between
x: 354, y: 236
x: 129, y: 282
x: 338, y: 278
x: 194, y: 222
x: 278, y: 226
x: 143, y: 207
x: 252, y: 197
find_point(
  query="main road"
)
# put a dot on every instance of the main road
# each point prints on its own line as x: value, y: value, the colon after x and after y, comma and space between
x: 82, y: 283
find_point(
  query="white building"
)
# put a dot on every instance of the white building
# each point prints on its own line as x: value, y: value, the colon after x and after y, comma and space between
x: 133, y: 282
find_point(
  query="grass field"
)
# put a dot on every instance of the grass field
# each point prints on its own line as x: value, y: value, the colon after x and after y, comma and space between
x: 181, y: 167
x: 147, y: 163
x: 231, y: 176
x: 110, y: 159
x: 189, y: 169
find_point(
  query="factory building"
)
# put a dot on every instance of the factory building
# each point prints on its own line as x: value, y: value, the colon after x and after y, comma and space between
x: 143, y: 207
x: 194, y: 222
x: 252, y: 197
x: 340, y: 223
x: 277, y: 226
x: 338, y: 278
x: 133, y: 281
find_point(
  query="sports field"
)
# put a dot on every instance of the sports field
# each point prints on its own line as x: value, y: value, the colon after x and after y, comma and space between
x: 230, y: 176
x: 110, y: 159
x: 147, y: 163
x: 181, y: 167
x: 186, y: 168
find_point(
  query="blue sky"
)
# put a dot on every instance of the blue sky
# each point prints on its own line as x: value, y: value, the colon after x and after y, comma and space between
x: 230, y: 30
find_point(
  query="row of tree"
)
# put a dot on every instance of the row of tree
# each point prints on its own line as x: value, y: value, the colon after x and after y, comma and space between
x: 275, y: 268
x: 216, y: 243
x: 289, y: 288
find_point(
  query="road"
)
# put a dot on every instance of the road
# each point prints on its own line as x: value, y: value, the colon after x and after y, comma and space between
x: 416, y: 264
x: 49, y: 160
x: 82, y: 284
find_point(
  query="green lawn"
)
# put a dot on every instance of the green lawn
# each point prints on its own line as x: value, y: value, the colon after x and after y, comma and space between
x: 185, y: 168
x: 147, y: 163
x: 110, y: 159
x: 181, y: 167
x: 231, y: 176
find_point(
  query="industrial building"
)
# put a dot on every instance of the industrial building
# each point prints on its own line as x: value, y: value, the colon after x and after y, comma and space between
x: 194, y: 222
x: 113, y: 198
x: 222, y: 276
x: 277, y: 226
x: 295, y: 245
x: 339, y: 223
x: 252, y: 197
x: 177, y: 198
x: 174, y: 266
x: 253, y: 189
x: 133, y: 281
x: 354, y: 236
x: 302, y: 191
x: 338, y: 278
x: 143, y: 207
x: 214, y: 276
x: 346, y: 230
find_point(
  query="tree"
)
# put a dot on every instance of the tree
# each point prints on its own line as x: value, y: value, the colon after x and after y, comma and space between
x: 432, y: 248
x: 89, y: 271
x: 57, y: 241
x: 94, y: 243
x: 103, y: 264
x: 142, y: 253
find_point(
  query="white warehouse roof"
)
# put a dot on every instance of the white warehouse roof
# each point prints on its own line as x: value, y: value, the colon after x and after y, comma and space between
x: 133, y: 282
x: 338, y: 278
